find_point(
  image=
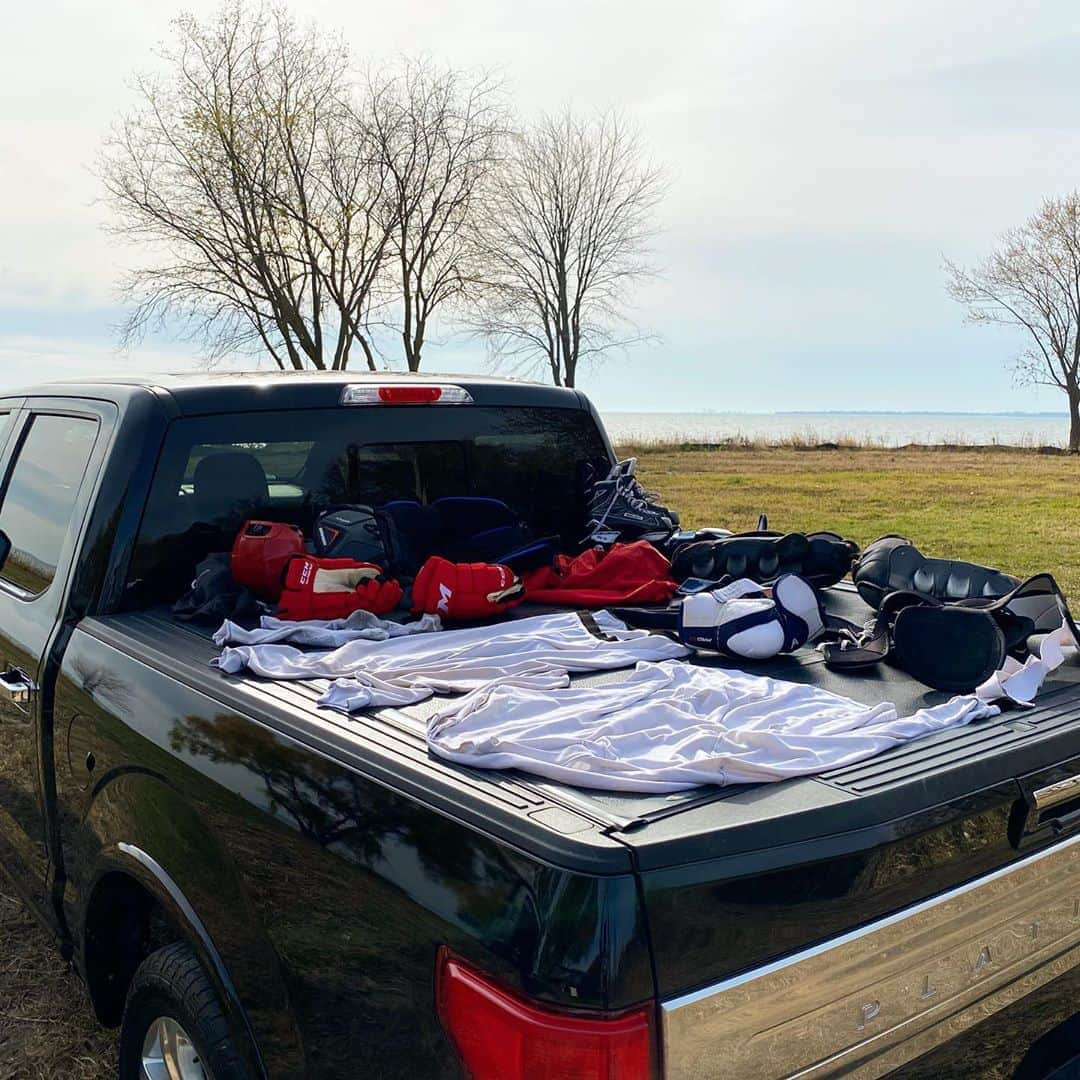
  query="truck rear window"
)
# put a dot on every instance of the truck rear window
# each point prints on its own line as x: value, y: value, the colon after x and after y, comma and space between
x: 216, y: 471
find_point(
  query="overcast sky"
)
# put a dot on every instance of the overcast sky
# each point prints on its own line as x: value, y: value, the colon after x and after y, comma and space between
x: 823, y: 156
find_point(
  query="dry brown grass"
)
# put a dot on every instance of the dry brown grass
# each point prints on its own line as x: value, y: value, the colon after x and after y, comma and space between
x: 47, y: 1028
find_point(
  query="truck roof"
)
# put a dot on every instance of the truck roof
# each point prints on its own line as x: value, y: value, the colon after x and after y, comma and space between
x: 194, y: 393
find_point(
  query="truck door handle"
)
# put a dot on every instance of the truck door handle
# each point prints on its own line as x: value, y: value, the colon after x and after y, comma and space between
x: 17, y: 687
x: 1055, y: 794
x: 1051, y: 812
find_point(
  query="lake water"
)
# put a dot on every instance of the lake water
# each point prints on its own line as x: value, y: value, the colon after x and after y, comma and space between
x: 884, y: 429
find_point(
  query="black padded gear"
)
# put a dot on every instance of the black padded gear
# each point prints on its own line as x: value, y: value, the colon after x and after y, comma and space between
x: 351, y: 532
x: 821, y: 558
x: 673, y: 544
x: 948, y: 648
x: 895, y: 564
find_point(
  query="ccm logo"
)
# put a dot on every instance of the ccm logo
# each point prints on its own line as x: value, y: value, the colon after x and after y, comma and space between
x: 305, y: 572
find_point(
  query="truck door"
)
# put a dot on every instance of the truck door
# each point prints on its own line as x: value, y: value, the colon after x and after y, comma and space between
x: 52, y: 457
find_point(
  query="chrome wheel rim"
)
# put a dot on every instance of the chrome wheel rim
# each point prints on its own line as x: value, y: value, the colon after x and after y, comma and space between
x: 169, y: 1054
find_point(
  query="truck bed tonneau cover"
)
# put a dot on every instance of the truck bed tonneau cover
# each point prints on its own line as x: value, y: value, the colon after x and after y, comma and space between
x: 595, y: 831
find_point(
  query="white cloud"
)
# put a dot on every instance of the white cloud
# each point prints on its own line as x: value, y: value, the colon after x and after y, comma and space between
x: 822, y: 155
x: 26, y: 360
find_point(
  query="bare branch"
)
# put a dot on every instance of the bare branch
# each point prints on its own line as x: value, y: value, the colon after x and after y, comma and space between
x: 441, y: 135
x: 1032, y: 281
x: 248, y: 178
x: 565, y: 240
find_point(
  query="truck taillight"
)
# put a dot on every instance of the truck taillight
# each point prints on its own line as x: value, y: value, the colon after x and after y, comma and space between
x: 406, y: 394
x: 500, y: 1035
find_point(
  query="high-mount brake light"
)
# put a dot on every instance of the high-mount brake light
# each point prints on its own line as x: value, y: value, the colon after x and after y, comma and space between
x: 500, y: 1035
x: 406, y: 394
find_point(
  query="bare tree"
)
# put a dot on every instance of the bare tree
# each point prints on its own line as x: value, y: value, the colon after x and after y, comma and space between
x: 251, y: 179
x: 441, y: 135
x: 1032, y: 281
x: 565, y: 240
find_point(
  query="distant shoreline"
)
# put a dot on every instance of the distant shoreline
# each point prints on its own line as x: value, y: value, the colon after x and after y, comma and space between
x: 745, y: 444
x: 847, y: 429
x: 909, y: 413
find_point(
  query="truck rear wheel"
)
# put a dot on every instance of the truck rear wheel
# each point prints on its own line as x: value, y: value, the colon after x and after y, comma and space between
x: 174, y: 1026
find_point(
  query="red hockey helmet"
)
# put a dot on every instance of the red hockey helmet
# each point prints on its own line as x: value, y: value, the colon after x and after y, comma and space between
x: 259, y: 555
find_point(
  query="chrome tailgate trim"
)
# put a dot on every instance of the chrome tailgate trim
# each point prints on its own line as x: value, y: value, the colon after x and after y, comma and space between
x: 869, y: 1001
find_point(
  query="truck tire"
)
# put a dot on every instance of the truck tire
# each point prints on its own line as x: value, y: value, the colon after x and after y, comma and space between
x: 173, y: 1020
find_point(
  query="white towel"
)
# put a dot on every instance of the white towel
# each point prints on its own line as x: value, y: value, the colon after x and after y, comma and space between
x: 323, y: 633
x: 542, y: 649
x: 672, y: 726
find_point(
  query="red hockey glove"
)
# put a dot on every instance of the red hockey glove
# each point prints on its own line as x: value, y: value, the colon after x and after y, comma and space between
x: 465, y: 590
x: 334, y: 588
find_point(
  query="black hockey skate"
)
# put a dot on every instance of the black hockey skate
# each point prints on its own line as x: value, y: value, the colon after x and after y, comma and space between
x: 619, y: 509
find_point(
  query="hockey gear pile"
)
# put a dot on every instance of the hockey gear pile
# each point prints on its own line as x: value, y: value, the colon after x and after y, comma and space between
x: 952, y: 625
x: 749, y: 597
x: 402, y: 535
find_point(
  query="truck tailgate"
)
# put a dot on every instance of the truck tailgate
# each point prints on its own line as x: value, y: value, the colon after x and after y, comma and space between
x: 868, y: 1001
x: 849, y: 923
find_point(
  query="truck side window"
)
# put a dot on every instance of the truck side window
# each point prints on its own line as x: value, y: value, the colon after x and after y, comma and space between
x: 39, y: 497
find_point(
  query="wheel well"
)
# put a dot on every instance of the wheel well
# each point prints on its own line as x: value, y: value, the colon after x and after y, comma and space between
x: 124, y: 924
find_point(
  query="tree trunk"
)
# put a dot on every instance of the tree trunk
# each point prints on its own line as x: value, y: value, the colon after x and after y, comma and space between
x: 368, y: 355
x: 415, y: 346
x: 1074, y: 419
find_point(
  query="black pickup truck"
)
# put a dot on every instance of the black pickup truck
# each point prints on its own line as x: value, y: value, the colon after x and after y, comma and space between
x: 251, y: 886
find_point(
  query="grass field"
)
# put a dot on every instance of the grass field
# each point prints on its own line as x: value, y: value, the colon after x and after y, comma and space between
x: 1018, y: 510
